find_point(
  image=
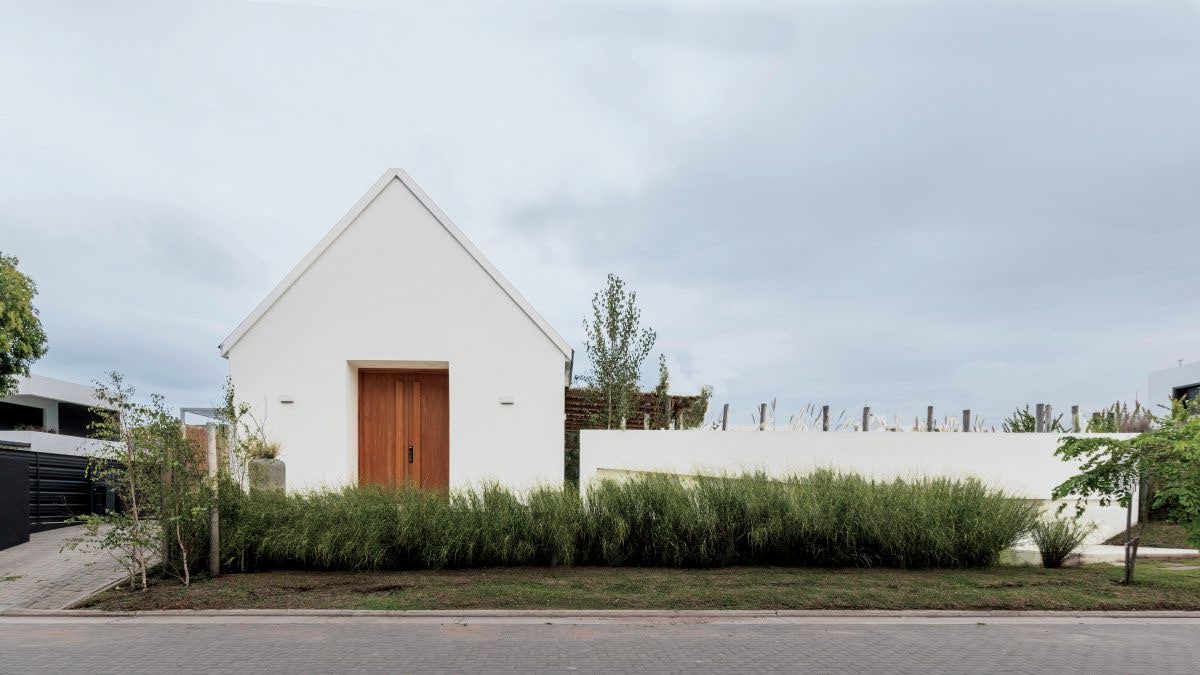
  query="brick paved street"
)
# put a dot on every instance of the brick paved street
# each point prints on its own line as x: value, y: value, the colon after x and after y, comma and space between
x: 560, y: 644
x: 36, y: 575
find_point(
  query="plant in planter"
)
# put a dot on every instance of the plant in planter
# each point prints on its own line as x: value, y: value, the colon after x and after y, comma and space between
x: 266, y: 470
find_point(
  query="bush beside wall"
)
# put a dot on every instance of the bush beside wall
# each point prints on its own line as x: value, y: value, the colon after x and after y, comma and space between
x: 823, y: 519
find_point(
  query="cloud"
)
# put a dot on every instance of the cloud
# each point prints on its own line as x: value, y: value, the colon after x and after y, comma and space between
x: 887, y: 203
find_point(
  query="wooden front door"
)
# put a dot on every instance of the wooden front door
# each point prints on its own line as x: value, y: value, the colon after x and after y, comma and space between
x: 404, y: 428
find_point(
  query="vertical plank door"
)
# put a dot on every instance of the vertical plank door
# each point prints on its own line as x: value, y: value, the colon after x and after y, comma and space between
x: 404, y: 429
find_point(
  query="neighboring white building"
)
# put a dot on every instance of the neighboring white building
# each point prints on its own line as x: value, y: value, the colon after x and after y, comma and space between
x: 1171, y: 383
x: 394, y: 351
x: 49, y: 415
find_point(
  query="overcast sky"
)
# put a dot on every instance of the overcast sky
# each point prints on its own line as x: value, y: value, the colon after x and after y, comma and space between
x: 896, y: 204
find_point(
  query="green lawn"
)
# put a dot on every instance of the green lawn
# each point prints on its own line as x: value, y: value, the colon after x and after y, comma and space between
x: 1158, y: 533
x: 1161, y: 585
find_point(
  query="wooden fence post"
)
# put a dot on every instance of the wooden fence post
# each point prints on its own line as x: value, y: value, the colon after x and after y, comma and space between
x: 929, y: 418
x: 966, y: 420
x: 825, y: 418
x: 725, y: 417
x: 1075, y: 426
x: 214, y: 513
x: 1039, y: 418
x: 1048, y: 426
x: 762, y: 416
x: 866, y: 424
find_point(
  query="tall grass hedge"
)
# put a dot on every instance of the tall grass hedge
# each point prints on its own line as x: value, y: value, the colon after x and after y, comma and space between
x: 823, y: 519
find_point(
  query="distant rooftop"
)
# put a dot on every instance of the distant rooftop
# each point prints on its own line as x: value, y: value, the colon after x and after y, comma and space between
x: 57, y: 390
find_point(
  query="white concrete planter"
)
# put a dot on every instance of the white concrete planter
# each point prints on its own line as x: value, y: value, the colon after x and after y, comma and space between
x: 267, y: 474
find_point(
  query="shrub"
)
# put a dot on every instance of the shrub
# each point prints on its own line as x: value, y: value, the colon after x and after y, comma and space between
x: 1058, y: 539
x: 824, y: 518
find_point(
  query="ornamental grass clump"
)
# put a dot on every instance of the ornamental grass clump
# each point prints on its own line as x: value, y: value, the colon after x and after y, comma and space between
x: 1059, y: 539
x: 824, y: 518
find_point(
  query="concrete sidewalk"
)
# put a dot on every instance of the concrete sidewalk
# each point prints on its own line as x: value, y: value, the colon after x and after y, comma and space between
x: 39, y: 575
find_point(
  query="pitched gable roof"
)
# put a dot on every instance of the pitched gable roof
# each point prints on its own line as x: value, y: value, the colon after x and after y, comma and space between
x: 341, y: 226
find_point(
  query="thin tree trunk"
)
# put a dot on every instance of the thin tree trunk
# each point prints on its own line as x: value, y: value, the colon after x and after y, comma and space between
x: 183, y: 555
x: 1128, y: 542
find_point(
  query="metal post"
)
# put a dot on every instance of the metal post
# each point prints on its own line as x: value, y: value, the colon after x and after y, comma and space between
x: 825, y: 418
x: 762, y: 416
x: 966, y: 420
x: 929, y: 418
x: 725, y: 417
x: 1075, y: 426
x: 1040, y: 418
x: 866, y: 425
x: 214, y: 513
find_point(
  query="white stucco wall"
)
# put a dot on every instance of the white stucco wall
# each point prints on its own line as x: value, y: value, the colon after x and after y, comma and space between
x: 1023, y: 465
x: 396, y: 289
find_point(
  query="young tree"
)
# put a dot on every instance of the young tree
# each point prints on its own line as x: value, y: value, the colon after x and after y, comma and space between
x: 22, y: 340
x: 1163, y: 461
x: 1021, y: 421
x: 616, y: 345
x: 661, y: 419
x: 143, y: 445
x: 693, y: 414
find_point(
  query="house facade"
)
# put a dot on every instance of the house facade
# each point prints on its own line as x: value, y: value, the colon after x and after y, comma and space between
x: 49, y: 415
x: 394, y: 352
x: 44, y: 448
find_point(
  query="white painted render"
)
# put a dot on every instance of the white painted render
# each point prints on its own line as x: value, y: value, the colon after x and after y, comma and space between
x: 39, y: 391
x: 1022, y: 465
x: 59, y: 444
x: 1163, y: 383
x: 396, y: 285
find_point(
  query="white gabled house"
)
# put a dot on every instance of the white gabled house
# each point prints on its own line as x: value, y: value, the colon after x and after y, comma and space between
x: 395, y: 352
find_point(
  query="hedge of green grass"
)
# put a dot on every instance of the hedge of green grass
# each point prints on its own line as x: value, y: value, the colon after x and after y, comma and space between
x: 824, y: 518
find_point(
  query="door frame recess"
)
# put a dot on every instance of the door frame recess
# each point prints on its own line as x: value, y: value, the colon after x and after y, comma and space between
x: 357, y: 411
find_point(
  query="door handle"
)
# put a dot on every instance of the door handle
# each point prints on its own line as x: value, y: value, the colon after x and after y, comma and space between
x: 410, y: 454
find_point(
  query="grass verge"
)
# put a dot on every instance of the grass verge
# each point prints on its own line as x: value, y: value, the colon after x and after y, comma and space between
x: 1162, y: 585
x: 1158, y: 533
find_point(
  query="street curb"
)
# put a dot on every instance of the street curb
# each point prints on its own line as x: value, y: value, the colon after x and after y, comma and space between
x: 603, y: 613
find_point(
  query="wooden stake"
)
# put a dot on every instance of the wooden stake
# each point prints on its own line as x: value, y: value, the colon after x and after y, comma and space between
x: 1075, y: 425
x: 1039, y: 419
x: 214, y: 513
x: 929, y: 418
x: 725, y: 417
x: 866, y: 425
x: 825, y: 418
x: 1048, y: 425
x: 966, y: 420
x: 762, y: 416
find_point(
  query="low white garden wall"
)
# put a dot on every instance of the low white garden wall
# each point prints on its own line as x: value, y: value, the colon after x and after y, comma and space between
x: 1022, y: 465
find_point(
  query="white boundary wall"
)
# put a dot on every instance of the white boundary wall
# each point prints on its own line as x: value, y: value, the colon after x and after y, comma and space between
x: 1022, y: 465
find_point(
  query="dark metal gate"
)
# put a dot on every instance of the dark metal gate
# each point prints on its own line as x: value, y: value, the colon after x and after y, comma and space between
x: 59, y: 488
